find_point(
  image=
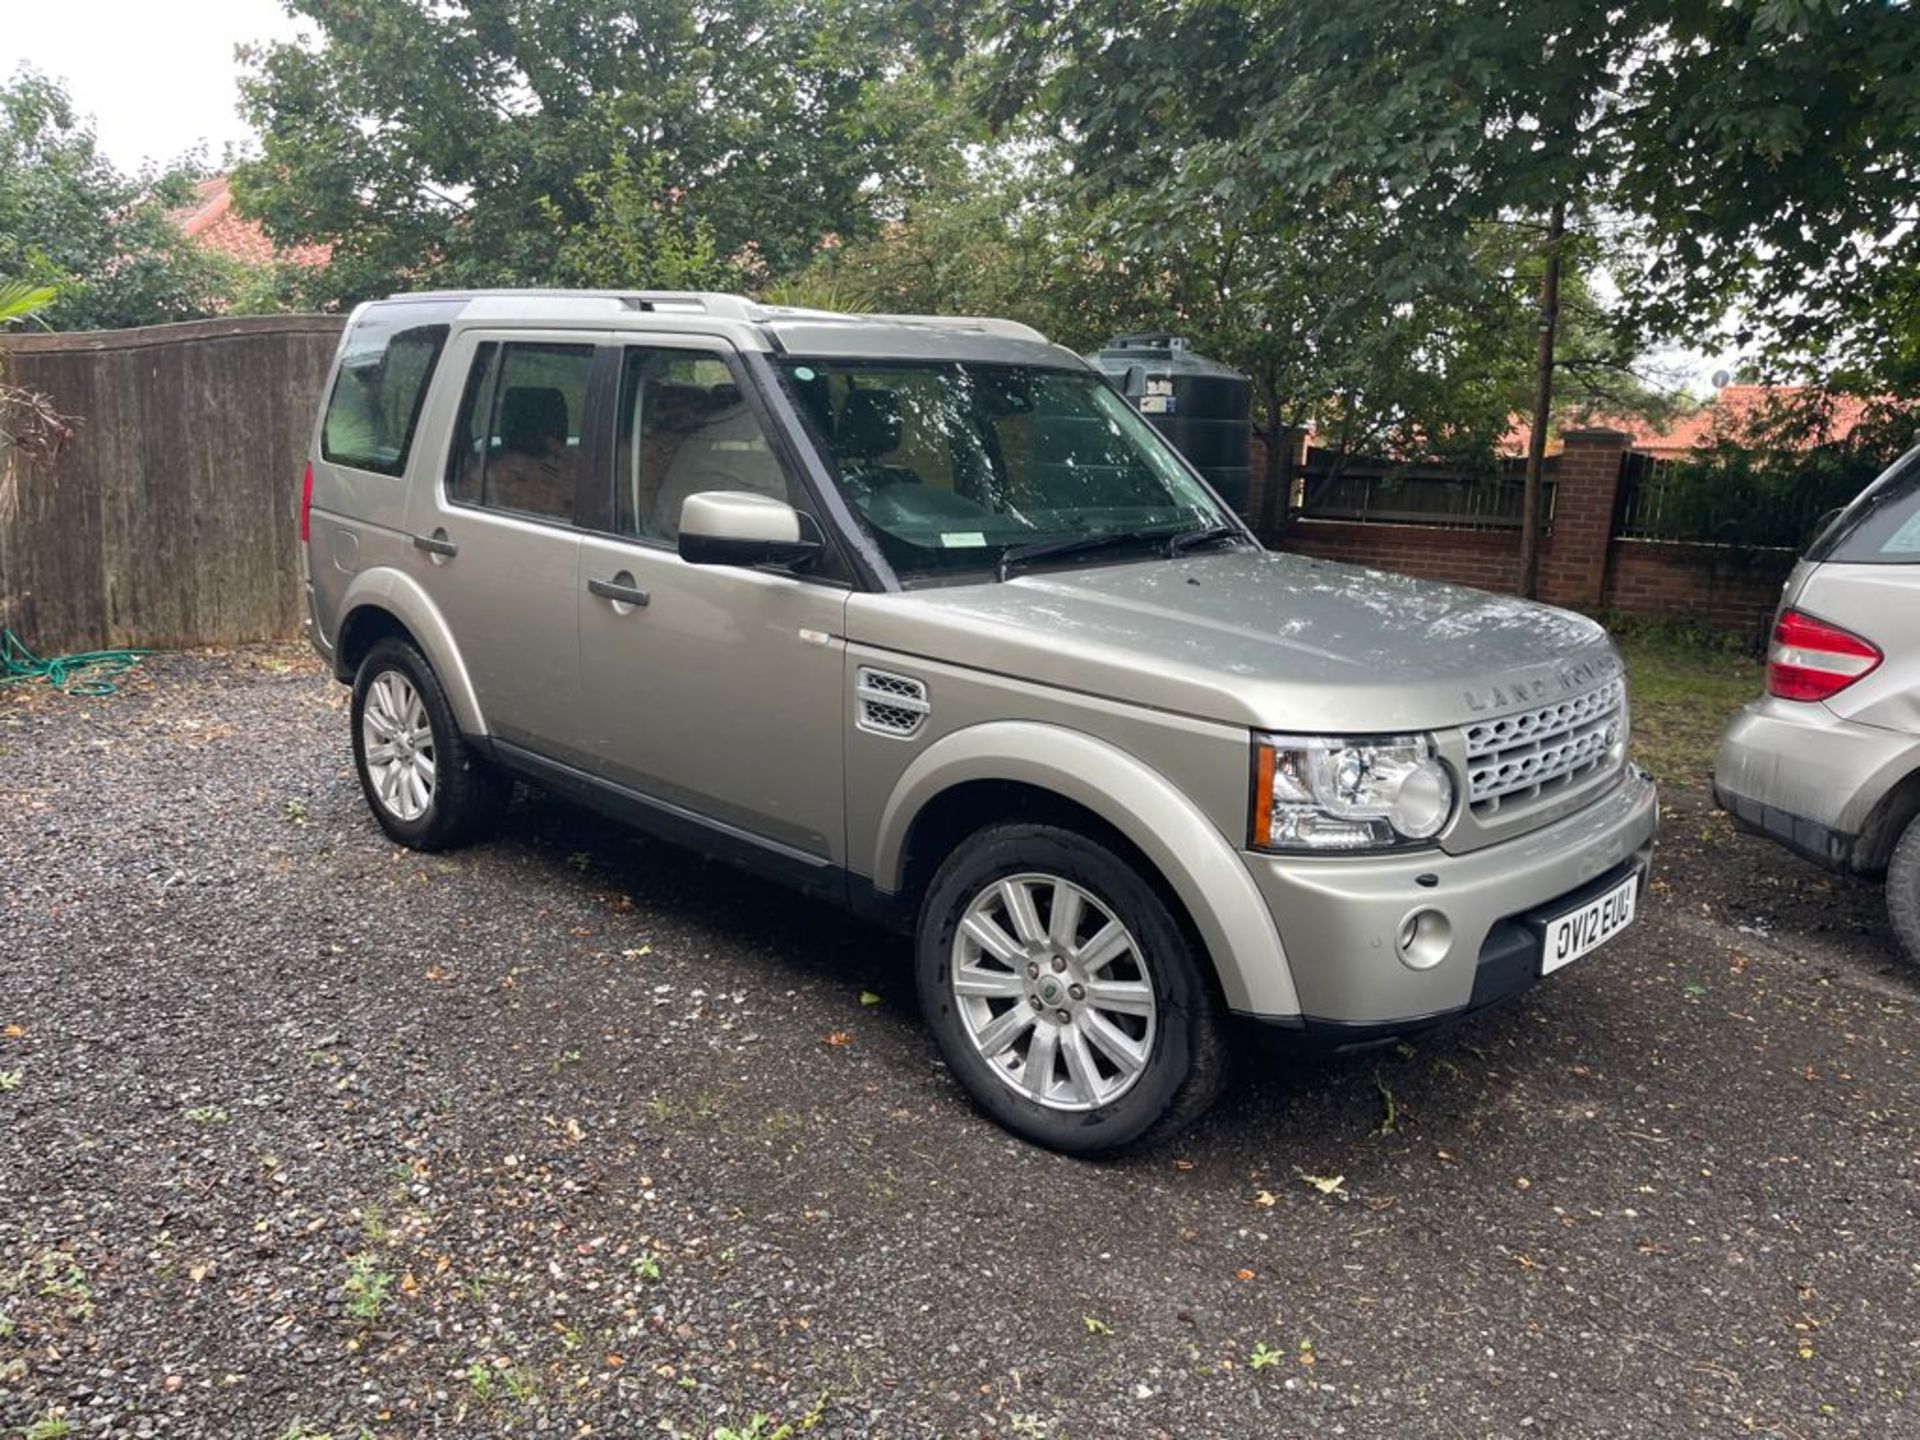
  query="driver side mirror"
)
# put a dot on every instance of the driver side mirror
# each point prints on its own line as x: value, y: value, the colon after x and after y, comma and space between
x: 741, y: 527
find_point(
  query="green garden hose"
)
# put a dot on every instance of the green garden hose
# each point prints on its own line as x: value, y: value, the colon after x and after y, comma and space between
x: 91, y: 672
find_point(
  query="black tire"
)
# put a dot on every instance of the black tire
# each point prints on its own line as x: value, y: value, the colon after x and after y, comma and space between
x: 1188, y: 1061
x: 1903, y: 891
x: 468, y: 795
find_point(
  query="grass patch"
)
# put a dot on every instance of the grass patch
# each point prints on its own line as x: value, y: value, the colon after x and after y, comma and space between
x: 1685, y: 687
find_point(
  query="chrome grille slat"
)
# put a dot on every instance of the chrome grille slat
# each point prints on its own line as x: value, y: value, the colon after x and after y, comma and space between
x: 1544, y: 749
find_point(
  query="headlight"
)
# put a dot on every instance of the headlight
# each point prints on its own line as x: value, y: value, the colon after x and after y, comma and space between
x: 1315, y: 792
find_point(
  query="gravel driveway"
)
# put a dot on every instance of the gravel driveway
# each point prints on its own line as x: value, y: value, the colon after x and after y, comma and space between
x: 304, y: 1135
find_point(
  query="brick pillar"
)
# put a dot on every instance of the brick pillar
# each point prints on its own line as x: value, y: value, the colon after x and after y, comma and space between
x: 1573, y: 560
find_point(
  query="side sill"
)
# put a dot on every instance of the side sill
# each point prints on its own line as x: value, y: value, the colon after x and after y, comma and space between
x: 714, y: 839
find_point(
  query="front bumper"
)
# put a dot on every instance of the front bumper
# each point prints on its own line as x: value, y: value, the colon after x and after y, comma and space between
x: 1339, y: 918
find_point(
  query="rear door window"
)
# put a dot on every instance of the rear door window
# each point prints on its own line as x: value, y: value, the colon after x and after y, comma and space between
x: 375, y: 406
x: 518, y: 443
x: 1882, y: 527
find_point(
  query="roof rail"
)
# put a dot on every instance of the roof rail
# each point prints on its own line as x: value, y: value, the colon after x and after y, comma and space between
x: 707, y: 302
x: 737, y: 307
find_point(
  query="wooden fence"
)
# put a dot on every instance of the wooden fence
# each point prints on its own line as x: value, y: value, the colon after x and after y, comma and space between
x: 170, y: 518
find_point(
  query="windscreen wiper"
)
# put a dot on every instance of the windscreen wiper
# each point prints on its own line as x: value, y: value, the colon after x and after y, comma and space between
x: 1073, y: 545
x: 1182, y: 541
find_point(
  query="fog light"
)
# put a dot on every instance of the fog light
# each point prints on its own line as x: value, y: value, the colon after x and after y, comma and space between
x: 1423, y: 940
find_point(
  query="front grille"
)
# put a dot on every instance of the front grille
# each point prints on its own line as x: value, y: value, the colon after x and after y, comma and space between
x: 893, y: 705
x: 1538, y: 752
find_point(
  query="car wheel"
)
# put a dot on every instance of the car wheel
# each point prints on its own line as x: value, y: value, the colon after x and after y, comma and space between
x: 1903, y: 890
x: 1065, y: 993
x: 423, y: 782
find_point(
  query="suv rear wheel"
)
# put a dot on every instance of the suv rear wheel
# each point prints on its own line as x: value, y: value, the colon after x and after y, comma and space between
x: 1065, y: 994
x: 423, y: 782
x: 1903, y: 890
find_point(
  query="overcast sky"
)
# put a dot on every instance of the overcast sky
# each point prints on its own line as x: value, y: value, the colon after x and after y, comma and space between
x: 157, y: 78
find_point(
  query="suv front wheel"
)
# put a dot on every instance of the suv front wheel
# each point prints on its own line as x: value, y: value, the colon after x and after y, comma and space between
x: 423, y: 782
x: 1065, y: 994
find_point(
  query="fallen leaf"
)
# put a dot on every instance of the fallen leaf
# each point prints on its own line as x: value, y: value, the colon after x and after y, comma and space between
x: 198, y: 1272
x: 614, y: 1362
x: 1183, y: 1164
x: 839, y: 1037
x: 1243, y: 1274
x: 1326, y: 1184
x: 13, y: 1032
x: 1265, y: 1200
x: 434, y: 972
x: 574, y: 1130
x: 867, y: 997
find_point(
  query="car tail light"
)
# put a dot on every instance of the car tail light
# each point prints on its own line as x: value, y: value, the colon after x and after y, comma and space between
x: 1812, y: 660
x: 306, y: 501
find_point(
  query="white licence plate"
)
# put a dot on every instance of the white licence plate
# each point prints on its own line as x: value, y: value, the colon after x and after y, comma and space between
x: 1577, y: 932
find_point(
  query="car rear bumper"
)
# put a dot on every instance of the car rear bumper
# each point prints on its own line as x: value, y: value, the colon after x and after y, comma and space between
x: 1803, y: 776
x: 1340, y: 918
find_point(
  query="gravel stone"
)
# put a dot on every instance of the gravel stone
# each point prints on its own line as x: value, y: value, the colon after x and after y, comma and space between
x: 305, y: 1135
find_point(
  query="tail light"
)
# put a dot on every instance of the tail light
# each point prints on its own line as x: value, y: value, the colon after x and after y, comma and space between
x: 306, y: 501
x: 1812, y: 660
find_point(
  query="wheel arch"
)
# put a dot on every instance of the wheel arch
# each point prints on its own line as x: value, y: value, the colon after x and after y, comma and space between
x: 1047, y: 771
x: 1885, y: 824
x: 385, y: 602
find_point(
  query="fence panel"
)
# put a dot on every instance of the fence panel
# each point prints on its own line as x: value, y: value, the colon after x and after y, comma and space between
x: 1378, y: 492
x: 170, y: 519
x: 1732, y: 504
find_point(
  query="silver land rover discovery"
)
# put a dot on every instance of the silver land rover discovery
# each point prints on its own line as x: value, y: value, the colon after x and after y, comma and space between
x: 919, y: 616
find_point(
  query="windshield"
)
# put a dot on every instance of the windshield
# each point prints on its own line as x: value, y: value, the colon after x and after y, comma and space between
x: 950, y: 466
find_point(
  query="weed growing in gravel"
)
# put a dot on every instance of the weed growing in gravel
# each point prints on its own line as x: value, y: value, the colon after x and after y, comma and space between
x: 373, y: 1225
x: 295, y: 810
x: 48, y: 1427
x: 1030, y: 1427
x: 757, y: 1428
x: 647, y: 1265
x: 301, y: 1430
x: 480, y: 1380
x: 520, y: 1384
x: 1264, y: 1355
x: 367, y: 1288
x: 11, y: 1079
x: 1095, y: 1325
x: 207, y: 1115
x: 581, y: 860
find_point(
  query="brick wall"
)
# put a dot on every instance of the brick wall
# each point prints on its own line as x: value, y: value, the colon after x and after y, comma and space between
x: 1581, y: 565
x: 1705, y: 584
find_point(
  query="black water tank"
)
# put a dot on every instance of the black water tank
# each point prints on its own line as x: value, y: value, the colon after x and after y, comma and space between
x: 1200, y: 405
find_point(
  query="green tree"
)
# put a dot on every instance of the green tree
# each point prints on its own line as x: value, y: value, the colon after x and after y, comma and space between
x: 505, y: 142
x: 1631, y: 135
x: 103, y: 240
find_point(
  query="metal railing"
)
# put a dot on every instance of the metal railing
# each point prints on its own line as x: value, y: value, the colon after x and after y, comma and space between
x: 1416, y: 495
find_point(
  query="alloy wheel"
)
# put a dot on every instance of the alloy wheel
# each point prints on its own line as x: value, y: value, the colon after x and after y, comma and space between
x: 397, y: 742
x: 1053, y: 991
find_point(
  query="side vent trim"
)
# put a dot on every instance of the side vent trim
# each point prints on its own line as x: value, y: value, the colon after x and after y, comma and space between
x: 889, y: 704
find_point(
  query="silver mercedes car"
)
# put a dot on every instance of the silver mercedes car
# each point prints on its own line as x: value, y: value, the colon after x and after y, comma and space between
x: 1828, y: 763
x: 918, y: 615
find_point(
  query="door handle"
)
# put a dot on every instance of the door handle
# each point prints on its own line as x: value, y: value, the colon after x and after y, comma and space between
x: 437, y: 544
x: 621, y: 590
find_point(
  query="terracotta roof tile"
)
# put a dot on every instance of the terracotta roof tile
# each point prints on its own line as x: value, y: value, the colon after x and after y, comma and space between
x: 211, y: 221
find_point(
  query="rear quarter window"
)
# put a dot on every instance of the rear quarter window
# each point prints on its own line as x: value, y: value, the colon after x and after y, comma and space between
x: 375, y: 406
x: 1881, y: 527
